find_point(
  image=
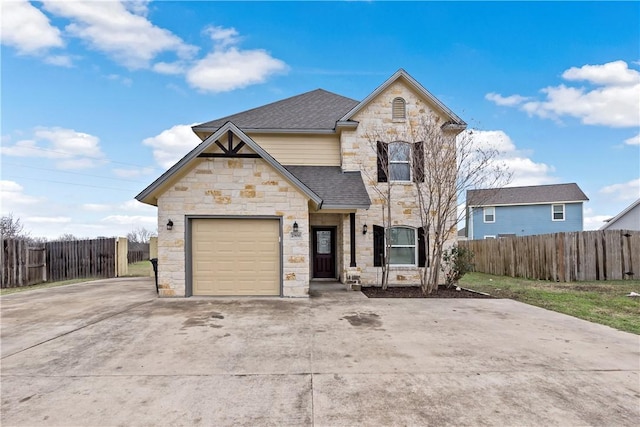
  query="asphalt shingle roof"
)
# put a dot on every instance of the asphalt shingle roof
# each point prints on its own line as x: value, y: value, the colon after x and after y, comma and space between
x: 318, y: 110
x: 336, y: 188
x: 525, y: 195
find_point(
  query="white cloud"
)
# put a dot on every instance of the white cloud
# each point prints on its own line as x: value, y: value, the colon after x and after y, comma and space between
x: 593, y: 222
x: 509, y: 101
x: 228, y: 67
x: 48, y: 219
x: 131, y: 219
x: 611, y: 100
x: 222, y: 37
x: 625, y: 191
x: 171, y: 68
x: 13, y: 198
x: 59, y: 60
x: 121, y: 30
x: 27, y: 29
x: 172, y: 144
x: 126, y: 81
x: 615, y: 73
x: 134, y: 173
x: 71, y: 149
x: 135, y: 206
x: 95, y: 207
x: 525, y: 171
x: 634, y: 140
x: 123, y: 208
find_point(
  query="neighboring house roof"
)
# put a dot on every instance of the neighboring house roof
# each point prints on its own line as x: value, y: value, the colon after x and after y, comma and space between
x: 535, y: 194
x: 338, y: 190
x: 453, y: 120
x: 148, y: 195
x: 610, y: 222
x: 318, y: 110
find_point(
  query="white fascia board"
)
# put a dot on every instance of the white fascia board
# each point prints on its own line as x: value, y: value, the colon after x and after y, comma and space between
x: 487, y: 205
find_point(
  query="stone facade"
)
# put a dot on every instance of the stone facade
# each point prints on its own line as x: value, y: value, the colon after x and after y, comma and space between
x: 359, y: 153
x: 232, y: 187
x: 253, y: 187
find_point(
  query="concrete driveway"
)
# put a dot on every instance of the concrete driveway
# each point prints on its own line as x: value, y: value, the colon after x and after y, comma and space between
x: 110, y: 353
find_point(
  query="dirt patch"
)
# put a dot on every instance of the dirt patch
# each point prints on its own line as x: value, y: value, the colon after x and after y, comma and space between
x: 416, y: 292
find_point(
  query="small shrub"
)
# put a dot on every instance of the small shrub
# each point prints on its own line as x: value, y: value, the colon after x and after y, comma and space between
x: 456, y: 262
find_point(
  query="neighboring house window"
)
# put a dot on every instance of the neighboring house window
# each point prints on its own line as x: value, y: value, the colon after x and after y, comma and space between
x: 557, y: 212
x: 402, y: 161
x: 489, y: 214
x: 405, y: 243
x: 402, y: 246
x: 489, y: 237
x: 399, y: 109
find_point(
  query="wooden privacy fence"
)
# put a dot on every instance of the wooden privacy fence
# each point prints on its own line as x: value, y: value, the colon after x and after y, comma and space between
x: 138, y: 252
x: 562, y: 257
x: 81, y: 258
x: 26, y: 263
x: 23, y: 263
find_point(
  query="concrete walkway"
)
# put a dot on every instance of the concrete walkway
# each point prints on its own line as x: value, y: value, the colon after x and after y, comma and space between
x: 110, y: 353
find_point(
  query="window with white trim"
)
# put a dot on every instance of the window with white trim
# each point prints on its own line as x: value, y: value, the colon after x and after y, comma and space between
x: 403, y: 246
x: 557, y: 212
x: 489, y: 214
x: 488, y: 237
x: 400, y: 161
x: 398, y: 109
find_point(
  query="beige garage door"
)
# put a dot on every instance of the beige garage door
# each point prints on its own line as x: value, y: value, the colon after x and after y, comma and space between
x: 235, y: 256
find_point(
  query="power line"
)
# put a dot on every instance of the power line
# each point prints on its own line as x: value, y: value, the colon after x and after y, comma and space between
x: 66, y: 153
x: 72, y: 173
x: 68, y: 183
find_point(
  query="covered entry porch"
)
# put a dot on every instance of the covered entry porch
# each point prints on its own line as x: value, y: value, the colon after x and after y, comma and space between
x: 334, y: 240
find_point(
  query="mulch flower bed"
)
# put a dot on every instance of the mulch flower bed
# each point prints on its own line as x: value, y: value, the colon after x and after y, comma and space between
x: 416, y: 292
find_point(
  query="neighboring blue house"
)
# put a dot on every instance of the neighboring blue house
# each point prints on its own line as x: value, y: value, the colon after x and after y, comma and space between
x: 524, y: 211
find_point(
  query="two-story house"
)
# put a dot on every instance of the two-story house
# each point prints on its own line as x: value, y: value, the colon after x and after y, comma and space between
x: 524, y: 211
x: 288, y: 192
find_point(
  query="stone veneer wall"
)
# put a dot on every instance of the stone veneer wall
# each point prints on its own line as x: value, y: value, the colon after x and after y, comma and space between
x: 359, y: 154
x: 217, y: 186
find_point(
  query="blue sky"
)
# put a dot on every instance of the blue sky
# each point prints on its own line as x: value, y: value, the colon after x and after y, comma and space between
x: 98, y: 97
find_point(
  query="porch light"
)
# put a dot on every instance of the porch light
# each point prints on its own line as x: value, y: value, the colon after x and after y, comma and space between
x: 364, y: 229
x: 169, y: 225
x: 295, y: 227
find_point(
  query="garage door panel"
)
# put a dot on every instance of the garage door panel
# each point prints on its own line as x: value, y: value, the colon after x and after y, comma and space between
x: 235, y: 257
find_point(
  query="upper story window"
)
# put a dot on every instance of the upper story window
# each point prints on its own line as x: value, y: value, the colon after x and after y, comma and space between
x: 557, y: 212
x: 489, y: 214
x: 402, y: 246
x: 399, y: 109
x: 400, y: 162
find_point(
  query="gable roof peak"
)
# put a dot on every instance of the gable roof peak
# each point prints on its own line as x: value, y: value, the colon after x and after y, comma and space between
x: 413, y: 83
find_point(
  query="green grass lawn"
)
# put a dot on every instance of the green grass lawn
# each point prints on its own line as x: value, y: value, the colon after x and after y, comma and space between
x: 603, y: 302
x: 140, y: 269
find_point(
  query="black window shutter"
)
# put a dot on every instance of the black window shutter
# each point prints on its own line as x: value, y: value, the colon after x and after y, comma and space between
x: 422, y: 250
x: 418, y: 162
x: 378, y: 246
x: 383, y: 161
